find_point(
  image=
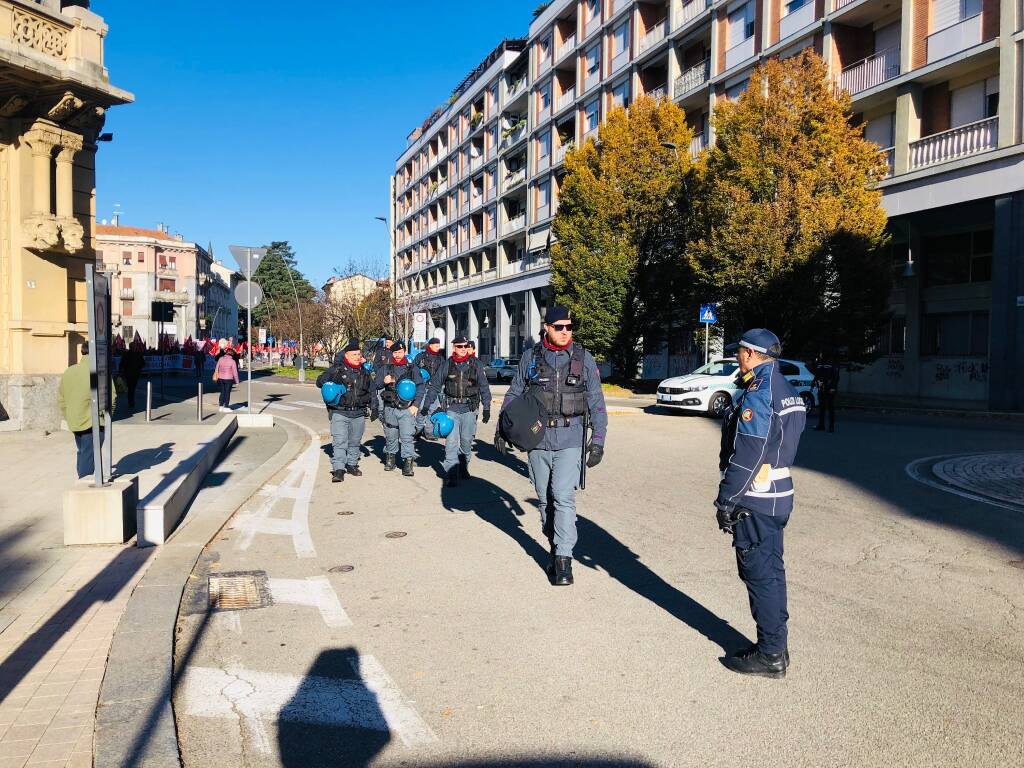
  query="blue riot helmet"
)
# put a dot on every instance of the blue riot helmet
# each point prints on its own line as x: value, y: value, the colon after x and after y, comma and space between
x: 368, y: 366
x: 406, y: 389
x: 443, y: 424
x: 425, y: 374
x: 332, y: 393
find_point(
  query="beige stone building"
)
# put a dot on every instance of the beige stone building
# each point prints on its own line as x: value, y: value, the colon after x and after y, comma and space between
x: 341, y: 288
x: 54, y: 93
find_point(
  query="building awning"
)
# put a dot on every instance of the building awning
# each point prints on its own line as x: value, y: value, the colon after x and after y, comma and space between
x: 539, y: 241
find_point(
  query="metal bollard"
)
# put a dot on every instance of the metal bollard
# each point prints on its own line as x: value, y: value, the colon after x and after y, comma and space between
x: 199, y: 403
x: 149, y: 401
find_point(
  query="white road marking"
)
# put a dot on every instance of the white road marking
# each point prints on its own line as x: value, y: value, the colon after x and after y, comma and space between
x: 309, y: 404
x: 297, y: 485
x: 915, y: 471
x: 314, y: 591
x: 372, y: 701
x: 282, y: 407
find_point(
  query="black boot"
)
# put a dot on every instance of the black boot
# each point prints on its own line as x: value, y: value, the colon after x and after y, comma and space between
x: 337, y: 475
x: 390, y: 461
x: 353, y: 470
x: 753, y: 648
x: 754, y: 662
x: 453, y: 477
x: 563, y: 571
x: 407, y: 468
x: 551, y: 563
x: 464, y: 467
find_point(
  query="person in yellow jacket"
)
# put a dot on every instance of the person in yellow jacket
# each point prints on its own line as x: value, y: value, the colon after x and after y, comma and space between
x: 74, y: 396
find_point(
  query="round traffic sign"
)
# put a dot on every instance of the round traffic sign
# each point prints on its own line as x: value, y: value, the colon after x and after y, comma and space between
x: 243, y: 295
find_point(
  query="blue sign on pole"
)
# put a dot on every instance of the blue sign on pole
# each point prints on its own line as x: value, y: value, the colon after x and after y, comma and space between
x: 270, y: 339
x: 708, y: 314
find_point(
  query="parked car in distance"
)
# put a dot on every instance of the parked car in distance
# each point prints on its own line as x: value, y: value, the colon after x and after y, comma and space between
x: 712, y: 388
x: 502, y: 369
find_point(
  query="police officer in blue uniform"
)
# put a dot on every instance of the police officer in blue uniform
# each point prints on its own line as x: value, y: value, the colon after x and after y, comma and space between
x: 430, y: 360
x: 760, y: 437
x: 563, y: 376
x: 348, y: 417
x: 461, y: 385
x: 399, y: 416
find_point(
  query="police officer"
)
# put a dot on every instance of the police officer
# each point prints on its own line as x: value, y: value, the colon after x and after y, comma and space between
x: 382, y: 356
x: 399, y: 414
x: 348, y: 417
x: 826, y: 380
x: 461, y: 385
x: 429, y: 360
x: 563, y: 376
x: 760, y: 436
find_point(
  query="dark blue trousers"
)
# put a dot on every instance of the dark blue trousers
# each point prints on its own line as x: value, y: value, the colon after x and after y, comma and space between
x: 758, y: 543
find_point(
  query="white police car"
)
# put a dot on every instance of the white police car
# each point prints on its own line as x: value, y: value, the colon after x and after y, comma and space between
x: 712, y: 387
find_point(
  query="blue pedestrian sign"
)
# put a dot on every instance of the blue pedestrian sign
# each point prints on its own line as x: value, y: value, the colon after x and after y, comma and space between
x: 708, y: 314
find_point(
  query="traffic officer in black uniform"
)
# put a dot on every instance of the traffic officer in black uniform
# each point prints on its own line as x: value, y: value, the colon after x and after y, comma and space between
x: 429, y: 360
x: 399, y: 414
x: 826, y: 380
x: 461, y: 385
x: 563, y: 376
x: 760, y: 437
x: 348, y: 417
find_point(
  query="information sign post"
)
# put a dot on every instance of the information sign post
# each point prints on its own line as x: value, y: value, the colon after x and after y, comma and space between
x: 98, y: 291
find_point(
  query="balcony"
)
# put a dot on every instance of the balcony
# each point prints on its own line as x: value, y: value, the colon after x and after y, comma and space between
x: 475, y: 241
x: 619, y: 5
x: 543, y: 162
x: 592, y: 79
x: 514, y: 224
x: 490, y: 234
x: 698, y: 144
x: 561, y: 152
x: 889, y: 153
x: 970, y: 139
x: 543, y: 212
x: 693, y: 78
x: 796, y: 19
x: 544, y: 64
x: 475, y: 162
x: 543, y: 113
x: 127, y: 294
x: 514, y: 179
x: 489, y: 194
x: 174, y: 297
x: 739, y: 53
x: 515, y: 135
x: 516, y: 89
x: 841, y: 4
x: 954, y: 39
x: 870, y: 72
x: 567, y: 46
x: 567, y: 98
x: 620, y: 60
x: 692, y: 10
x: 654, y: 35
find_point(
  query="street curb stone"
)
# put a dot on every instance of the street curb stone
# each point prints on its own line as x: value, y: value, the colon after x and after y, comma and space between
x: 134, y: 718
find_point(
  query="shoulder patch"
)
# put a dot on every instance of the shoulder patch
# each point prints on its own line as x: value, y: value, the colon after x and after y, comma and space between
x: 754, y: 385
x: 747, y: 414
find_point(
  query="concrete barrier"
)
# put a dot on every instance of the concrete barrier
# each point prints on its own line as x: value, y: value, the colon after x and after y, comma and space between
x: 255, y: 420
x: 159, y: 512
x: 105, y: 515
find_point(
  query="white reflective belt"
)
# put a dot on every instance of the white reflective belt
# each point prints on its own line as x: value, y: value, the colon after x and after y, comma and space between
x: 770, y: 494
x: 778, y: 473
x: 793, y: 409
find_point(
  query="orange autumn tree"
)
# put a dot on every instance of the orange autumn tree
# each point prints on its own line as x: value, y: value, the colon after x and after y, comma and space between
x: 792, y: 228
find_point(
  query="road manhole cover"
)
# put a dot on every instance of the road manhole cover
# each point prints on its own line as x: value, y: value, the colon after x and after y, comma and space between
x: 345, y: 512
x: 239, y: 590
x: 341, y: 569
x: 394, y: 534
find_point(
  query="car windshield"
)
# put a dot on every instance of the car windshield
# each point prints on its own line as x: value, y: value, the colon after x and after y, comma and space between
x: 718, y: 368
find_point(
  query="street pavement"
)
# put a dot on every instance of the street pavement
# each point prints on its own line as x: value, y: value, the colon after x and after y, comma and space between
x: 405, y: 623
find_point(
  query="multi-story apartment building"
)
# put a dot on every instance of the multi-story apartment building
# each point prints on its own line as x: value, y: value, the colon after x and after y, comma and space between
x: 221, y: 321
x: 152, y: 265
x: 936, y: 83
x: 54, y: 96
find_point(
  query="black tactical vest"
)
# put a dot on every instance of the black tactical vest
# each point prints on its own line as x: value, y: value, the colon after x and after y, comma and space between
x: 462, y: 384
x: 562, y: 391
x: 430, y: 363
x: 397, y: 372
x: 359, y: 385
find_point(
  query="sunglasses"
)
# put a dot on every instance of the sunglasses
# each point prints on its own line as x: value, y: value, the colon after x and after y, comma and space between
x: 461, y: 346
x: 562, y: 327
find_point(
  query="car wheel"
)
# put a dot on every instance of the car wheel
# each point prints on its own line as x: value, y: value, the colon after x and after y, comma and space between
x: 808, y: 399
x: 718, y: 403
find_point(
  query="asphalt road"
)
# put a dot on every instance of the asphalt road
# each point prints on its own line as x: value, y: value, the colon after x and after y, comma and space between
x: 447, y: 645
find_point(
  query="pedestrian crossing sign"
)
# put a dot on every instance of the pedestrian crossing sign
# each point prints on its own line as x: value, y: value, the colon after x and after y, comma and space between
x: 708, y: 314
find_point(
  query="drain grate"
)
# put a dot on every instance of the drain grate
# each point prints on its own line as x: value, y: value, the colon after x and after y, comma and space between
x: 239, y: 590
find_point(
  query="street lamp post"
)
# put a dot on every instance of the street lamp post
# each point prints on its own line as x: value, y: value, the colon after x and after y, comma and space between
x: 391, y: 268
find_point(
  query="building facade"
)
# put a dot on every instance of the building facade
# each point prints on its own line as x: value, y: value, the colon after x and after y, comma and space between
x: 54, y: 94
x: 341, y: 289
x: 152, y: 265
x: 221, y: 304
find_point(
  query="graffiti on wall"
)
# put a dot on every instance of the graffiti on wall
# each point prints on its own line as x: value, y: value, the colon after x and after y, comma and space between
x: 969, y: 370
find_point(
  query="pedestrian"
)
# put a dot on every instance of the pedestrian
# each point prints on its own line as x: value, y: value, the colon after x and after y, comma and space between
x: 472, y: 348
x: 826, y: 381
x: 74, y: 397
x: 461, y: 386
x: 563, y: 377
x: 347, y: 416
x: 760, y: 437
x: 430, y: 360
x: 399, y: 415
x: 132, y: 364
x: 225, y: 373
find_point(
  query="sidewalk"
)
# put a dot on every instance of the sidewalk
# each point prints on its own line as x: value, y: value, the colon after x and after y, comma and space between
x: 60, y: 606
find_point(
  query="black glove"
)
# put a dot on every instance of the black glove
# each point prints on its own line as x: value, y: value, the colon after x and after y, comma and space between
x: 727, y: 518
x: 499, y: 444
x: 594, y: 455
x: 487, y: 415
x: 374, y: 414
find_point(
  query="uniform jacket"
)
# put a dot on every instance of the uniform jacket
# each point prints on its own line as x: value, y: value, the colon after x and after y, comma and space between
x: 359, y: 383
x: 435, y: 387
x: 826, y: 377
x: 432, y: 363
x: 559, y: 438
x: 399, y: 372
x: 760, y: 437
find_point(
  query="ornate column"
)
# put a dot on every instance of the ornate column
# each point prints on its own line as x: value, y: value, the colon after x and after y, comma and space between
x: 71, y: 229
x: 40, y: 227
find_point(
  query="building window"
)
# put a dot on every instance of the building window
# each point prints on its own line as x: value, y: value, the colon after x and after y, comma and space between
x: 126, y: 282
x: 734, y: 92
x: 593, y: 63
x: 620, y: 39
x: 741, y: 24
x: 128, y: 333
x: 126, y: 308
x: 620, y: 94
x: 140, y: 257
x: 591, y: 116
x: 166, y: 284
x: 965, y: 257
x: 955, y: 334
x: 543, y: 145
x: 592, y: 10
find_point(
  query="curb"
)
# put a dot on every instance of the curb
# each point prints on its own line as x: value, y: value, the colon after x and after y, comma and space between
x: 134, y: 718
x: 886, y: 410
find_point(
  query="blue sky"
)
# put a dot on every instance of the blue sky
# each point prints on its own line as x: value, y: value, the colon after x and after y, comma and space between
x: 258, y: 121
